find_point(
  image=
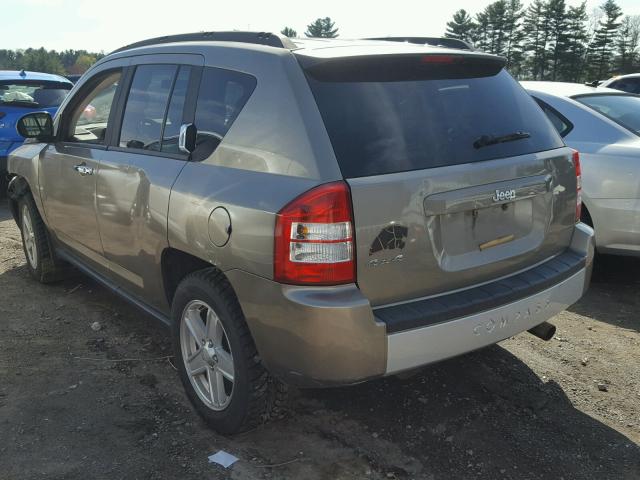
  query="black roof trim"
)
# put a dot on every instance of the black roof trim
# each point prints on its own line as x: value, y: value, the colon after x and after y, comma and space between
x: 259, y: 38
x: 433, y: 41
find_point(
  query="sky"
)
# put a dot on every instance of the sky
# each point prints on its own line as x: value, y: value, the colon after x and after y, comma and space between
x: 108, y: 24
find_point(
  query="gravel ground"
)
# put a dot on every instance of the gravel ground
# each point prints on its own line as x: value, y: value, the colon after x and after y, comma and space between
x: 79, y: 403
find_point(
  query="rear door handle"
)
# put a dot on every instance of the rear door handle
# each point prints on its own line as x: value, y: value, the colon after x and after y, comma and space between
x: 83, y: 170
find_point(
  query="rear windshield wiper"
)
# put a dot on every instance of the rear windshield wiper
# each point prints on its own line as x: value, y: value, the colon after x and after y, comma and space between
x: 486, y: 140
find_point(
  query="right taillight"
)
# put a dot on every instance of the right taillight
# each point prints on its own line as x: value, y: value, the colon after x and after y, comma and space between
x: 314, y: 238
x: 578, y: 169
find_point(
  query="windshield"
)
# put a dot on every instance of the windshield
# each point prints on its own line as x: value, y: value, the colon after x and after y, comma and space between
x: 33, y: 94
x: 379, y: 127
x: 622, y: 109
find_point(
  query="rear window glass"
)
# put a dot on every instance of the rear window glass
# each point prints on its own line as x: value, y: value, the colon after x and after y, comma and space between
x: 622, y: 109
x: 379, y: 127
x: 33, y: 94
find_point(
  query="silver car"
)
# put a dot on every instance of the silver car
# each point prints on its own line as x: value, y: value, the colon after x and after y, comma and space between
x: 315, y: 213
x: 629, y: 83
x: 604, y: 125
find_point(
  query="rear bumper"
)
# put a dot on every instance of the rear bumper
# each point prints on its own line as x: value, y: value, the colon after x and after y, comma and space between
x: 322, y: 336
x: 430, y: 344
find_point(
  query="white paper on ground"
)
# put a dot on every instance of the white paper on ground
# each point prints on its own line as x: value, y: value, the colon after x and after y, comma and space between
x: 223, y: 458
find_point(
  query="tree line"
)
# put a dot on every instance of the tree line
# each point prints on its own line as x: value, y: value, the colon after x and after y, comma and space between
x: 546, y: 40
x: 549, y: 40
x: 319, y: 28
x: 70, y: 62
x: 67, y: 62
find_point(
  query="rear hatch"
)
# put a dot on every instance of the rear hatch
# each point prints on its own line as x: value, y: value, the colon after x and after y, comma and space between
x: 457, y: 178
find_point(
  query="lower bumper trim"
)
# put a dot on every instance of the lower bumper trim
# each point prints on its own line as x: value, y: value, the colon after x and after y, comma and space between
x: 421, y: 346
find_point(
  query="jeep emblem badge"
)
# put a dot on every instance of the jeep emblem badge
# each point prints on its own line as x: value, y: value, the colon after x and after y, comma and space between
x: 501, y: 195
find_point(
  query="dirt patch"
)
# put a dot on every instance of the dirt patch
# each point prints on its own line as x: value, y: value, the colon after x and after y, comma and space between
x: 105, y: 403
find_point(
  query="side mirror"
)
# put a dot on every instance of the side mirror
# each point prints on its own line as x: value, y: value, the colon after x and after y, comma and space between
x: 187, y: 138
x: 38, y: 125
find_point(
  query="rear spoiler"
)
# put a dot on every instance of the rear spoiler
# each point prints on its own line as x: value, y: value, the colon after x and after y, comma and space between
x: 402, y: 67
x: 433, y: 41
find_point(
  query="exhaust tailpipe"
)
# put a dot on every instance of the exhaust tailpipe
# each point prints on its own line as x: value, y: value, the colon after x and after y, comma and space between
x: 544, y: 331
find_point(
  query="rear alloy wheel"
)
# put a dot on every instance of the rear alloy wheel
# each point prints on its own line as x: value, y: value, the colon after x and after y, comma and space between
x: 217, y: 359
x: 207, y: 355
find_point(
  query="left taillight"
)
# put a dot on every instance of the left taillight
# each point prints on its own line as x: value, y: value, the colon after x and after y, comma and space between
x: 314, y: 238
x: 578, y: 170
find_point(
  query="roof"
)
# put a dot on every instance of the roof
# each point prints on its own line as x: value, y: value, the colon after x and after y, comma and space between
x: 324, y: 48
x: 321, y: 48
x: 564, y: 89
x: 37, y: 76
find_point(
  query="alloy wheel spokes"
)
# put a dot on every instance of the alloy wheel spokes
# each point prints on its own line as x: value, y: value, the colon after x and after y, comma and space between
x: 214, y: 328
x: 195, y: 325
x: 207, y: 355
x: 225, y: 364
x: 29, y: 237
x: 196, y: 363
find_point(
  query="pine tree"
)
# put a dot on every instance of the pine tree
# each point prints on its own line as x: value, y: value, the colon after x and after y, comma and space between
x: 535, y: 39
x: 557, y: 26
x: 515, y: 34
x: 322, y: 28
x: 496, y: 13
x: 289, y: 32
x: 480, y: 37
x: 461, y: 26
x: 602, y: 46
x: 627, y: 43
x: 576, y: 39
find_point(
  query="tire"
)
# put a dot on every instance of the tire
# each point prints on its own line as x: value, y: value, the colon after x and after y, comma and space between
x: 35, y: 243
x: 224, y: 355
x: 4, y: 184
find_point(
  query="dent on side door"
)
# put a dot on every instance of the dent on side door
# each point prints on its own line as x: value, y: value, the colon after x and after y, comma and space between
x: 68, y: 183
x: 132, y: 201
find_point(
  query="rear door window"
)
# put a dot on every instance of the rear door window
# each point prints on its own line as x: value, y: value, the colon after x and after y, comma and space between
x: 222, y: 95
x: 175, y: 113
x: 381, y: 127
x: 146, y: 106
x: 559, y: 121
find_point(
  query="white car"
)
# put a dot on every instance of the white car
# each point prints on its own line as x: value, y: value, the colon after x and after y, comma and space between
x: 604, y: 126
x: 627, y: 83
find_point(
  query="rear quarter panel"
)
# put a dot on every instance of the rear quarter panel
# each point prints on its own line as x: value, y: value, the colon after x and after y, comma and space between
x: 275, y: 150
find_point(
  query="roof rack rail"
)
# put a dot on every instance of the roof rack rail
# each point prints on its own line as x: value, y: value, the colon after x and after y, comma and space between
x: 433, y: 41
x: 260, y: 38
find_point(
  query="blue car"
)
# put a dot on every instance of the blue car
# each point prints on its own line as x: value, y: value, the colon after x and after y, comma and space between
x: 21, y: 93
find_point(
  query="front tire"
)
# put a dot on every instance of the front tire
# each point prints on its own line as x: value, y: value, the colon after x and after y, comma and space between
x: 35, y: 243
x: 217, y: 359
